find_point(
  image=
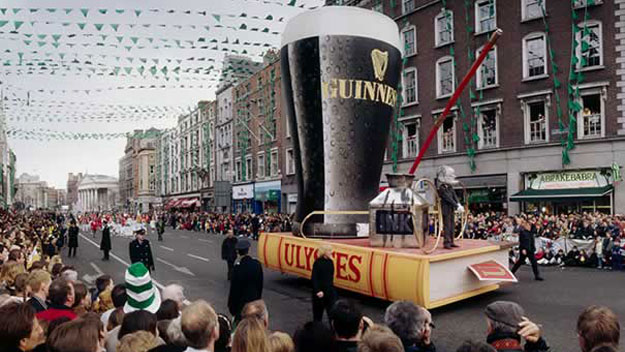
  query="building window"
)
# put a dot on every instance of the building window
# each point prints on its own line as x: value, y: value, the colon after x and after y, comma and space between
x: 410, y: 84
x: 288, y: 127
x: 536, y: 116
x: 485, y: 16
x: 590, y: 49
x: 410, y: 138
x: 248, y: 167
x: 592, y: 121
x: 409, y: 36
x: 487, y: 73
x: 407, y: 5
x: 379, y: 7
x: 534, y: 56
x: 444, y: 25
x: 290, y: 162
x: 261, y: 166
x: 447, y: 135
x: 274, y: 162
x: 532, y: 9
x: 239, y: 171
x: 583, y: 3
x: 444, y: 77
x: 488, y: 127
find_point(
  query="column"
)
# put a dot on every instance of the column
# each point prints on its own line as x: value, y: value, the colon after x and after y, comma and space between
x: 97, y: 197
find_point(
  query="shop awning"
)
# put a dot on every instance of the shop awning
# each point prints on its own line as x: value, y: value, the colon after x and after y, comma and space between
x: 190, y: 202
x: 561, y: 194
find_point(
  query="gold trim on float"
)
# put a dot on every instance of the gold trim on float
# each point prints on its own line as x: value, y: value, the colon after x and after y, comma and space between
x: 329, y: 212
x: 464, y: 253
x: 460, y: 297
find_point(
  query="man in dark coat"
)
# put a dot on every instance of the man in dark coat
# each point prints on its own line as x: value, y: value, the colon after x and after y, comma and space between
x: 508, y: 327
x: 140, y: 250
x: 527, y: 248
x: 72, y: 238
x: 105, y: 243
x: 255, y: 227
x: 324, y: 294
x: 229, y: 252
x: 446, y: 178
x: 247, y: 280
x: 160, y: 228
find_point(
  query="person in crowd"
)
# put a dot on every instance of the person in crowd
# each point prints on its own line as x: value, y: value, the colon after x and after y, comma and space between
x: 313, y: 336
x: 247, y: 280
x: 617, y: 255
x: 224, y: 342
x: 72, y: 234
x: 19, y: 328
x: 61, y: 298
x: 105, y: 242
x: 348, y: 325
x: 598, y: 250
x: 507, y: 326
x: 20, y: 289
x: 175, y: 293
x: 200, y: 327
x: 380, y: 338
x: 324, y: 294
x: 140, y: 250
x: 168, y: 310
x: 598, y: 326
x: 139, y: 320
x: 118, y: 296
x: 475, y: 346
x: 79, y: 335
x: 69, y: 274
x: 255, y: 227
x: 174, y: 338
x: 39, y: 282
x: 140, y: 341
x: 250, y: 336
x: 229, y: 252
x: 160, y: 229
x: 115, y: 319
x: 412, y: 324
x: 9, y: 272
x: 102, y: 300
x: 82, y: 299
x: 256, y: 309
x: 527, y: 248
x: 281, y: 342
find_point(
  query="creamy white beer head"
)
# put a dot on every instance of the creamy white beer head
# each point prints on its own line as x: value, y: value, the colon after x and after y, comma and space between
x: 342, y: 20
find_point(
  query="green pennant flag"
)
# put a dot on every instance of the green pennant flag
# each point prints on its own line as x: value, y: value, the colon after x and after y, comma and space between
x: 115, y: 27
x: 151, y: 40
x: 291, y: 3
x: 68, y: 11
x: 3, y: 10
x: 98, y: 26
x: 585, y: 46
x: 42, y: 36
x: 119, y: 39
x: 269, y: 17
x: 84, y: 12
x: 153, y: 70
x: 128, y: 70
x: 134, y: 40
x: 103, y: 36
x: 144, y: 60
x: 18, y: 24
x: 65, y: 24
x: 103, y: 11
x: 217, y: 17
x: 138, y: 13
x: 56, y: 37
x: 243, y: 26
x: 176, y: 70
x: 33, y: 10
x: 81, y: 25
x: 141, y: 70
x: 2, y: 23
x: 16, y: 10
x: 41, y: 44
x: 128, y: 47
x: 164, y: 70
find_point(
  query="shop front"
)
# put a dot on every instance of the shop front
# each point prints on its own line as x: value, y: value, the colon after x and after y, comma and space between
x: 562, y: 192
x: 485, y: 192
x: 243, y: 198
x: 267, y: 197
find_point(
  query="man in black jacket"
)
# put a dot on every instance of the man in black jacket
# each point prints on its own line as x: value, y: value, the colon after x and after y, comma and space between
x: 73, y: 238
x: 445, y: 179
x: 140, y: 250
x: 324, y: 294
x: 105, y: 243
x: 527, y: 248
x: 247, y: 280
x: 229, y: 252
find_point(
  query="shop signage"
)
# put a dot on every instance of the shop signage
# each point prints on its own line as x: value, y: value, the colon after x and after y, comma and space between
x: 243, y: 192
x: 267, y: 191
x: 291, y: 198
x: 569, y: 179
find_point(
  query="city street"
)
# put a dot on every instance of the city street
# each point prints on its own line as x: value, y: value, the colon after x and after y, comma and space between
x: 193, y: 260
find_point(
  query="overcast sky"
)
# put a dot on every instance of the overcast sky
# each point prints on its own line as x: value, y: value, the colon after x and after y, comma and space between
x: 28, y: 109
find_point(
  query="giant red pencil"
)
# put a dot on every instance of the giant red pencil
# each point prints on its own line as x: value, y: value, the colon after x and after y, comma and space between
x: 454, y: 97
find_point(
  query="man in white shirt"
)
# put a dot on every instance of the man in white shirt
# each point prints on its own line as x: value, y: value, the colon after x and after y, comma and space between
x: 200, y: 327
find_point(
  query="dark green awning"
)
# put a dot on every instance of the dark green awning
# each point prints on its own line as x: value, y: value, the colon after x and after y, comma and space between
x: 561, y: 194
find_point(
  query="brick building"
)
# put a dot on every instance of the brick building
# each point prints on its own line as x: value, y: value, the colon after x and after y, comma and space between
x: 263, y: 158
x: 554, y: 56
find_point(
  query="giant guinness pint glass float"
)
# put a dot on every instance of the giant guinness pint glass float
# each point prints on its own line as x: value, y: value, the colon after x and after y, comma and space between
x: 341, y: 68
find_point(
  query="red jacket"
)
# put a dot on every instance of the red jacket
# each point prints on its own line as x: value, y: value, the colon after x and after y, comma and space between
x: 55, y: 312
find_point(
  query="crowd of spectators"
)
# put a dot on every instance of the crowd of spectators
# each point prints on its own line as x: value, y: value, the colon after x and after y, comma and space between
x: 45, y: 307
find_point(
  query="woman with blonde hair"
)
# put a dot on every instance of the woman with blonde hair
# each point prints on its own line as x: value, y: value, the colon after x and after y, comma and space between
x: 139, y: 341
x: 323, y: 295
x: 10, y: 270
x: 281, y: 342
x: 54, y: 260
x: 250, y: 336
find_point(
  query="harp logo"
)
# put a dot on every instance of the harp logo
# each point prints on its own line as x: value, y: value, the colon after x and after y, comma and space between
x: 380, y: 63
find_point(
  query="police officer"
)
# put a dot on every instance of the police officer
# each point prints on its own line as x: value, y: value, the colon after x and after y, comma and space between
x: 140, y: 250
x: 247, y: 280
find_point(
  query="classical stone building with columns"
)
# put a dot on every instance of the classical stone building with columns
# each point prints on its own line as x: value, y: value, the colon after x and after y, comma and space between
x: 97, y: 193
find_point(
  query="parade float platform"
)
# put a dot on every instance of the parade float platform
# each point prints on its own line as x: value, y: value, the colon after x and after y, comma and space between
x: 430, y: 280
